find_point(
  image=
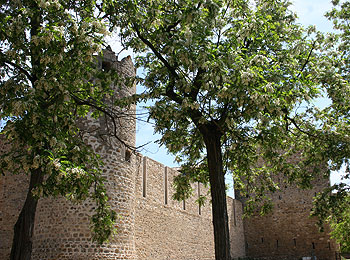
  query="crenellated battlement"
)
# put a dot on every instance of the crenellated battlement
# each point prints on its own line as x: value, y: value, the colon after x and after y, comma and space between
x: 177, y: 229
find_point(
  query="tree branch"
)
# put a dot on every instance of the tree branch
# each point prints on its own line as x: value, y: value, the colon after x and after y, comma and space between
x: 197, y: 84
x: 298, y: 127
x: 173, y: 75
x: 307, y: 60
x: 158, y: 55
x: 109, y: 114
x: 23, y: 71
x: 172, y: 26
x: 169, y: 91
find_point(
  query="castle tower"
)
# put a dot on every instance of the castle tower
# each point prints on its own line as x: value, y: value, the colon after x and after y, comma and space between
x: 62, y: 229
x: 288, y: 233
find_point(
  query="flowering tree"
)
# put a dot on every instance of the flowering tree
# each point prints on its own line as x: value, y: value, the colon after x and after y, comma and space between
x: 226, y: 78
x: 47, y: 53
x: 332, y: 131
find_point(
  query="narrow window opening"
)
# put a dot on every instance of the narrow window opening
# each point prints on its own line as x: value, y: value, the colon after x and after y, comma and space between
x: 184, y: 204
x: 277, y: 243
x: 144, y: 177
x: 313, y: 245
x: 199, y: 195
x: 262, y: 240
x: 280, y: 197
x: 295, y: 242
x: 329, y: 245
x: 106, y: 65
x: 234, y: 213
x: 127, y: 155
x: 166, y: 185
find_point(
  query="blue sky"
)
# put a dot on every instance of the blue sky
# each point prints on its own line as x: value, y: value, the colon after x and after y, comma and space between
x: 311, y: 12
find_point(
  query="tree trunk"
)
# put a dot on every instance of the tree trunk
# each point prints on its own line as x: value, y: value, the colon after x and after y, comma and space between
x: 218, y: 193
x: 23, y: 230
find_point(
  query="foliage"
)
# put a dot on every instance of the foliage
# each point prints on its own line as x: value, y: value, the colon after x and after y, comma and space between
x: 47, y: 55
x: 333, y: 143
x: 241, y: 66
x: 334, y: 209
x: 227, y: 78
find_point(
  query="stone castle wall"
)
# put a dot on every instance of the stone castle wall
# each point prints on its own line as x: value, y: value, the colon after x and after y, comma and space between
x: 288, y: 232
x: 153, y: 227
x: 169, y: 229
x: 62, y: 229
x: 150, y: 225
x: 13, y: 190
x: 237, y: 238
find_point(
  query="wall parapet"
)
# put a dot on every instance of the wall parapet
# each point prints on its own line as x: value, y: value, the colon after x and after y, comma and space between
x: 154, y: 185
x: 178, y: 229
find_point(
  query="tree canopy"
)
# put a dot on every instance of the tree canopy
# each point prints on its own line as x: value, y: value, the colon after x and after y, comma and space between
x: 48, y: 60
x: 232, y: 84
x: 227, y: 78
x: 332, y: 206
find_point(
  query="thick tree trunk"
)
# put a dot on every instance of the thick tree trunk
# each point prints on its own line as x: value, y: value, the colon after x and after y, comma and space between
x: 23, y: 230
x: 218, y: 193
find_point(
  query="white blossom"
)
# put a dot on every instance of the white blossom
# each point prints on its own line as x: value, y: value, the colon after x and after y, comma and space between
x: 259, y: 60
x: 78, y: 172
x: 56, y: 164
x: 36, y: 162
x: 247, y: 77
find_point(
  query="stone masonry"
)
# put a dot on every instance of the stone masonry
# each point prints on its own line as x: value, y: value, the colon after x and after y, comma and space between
x: 151, y: 225
x: 288, y: 232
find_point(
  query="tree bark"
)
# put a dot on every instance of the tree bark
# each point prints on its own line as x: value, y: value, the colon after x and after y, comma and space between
x: 23, y: 230
x: 212, y: 141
